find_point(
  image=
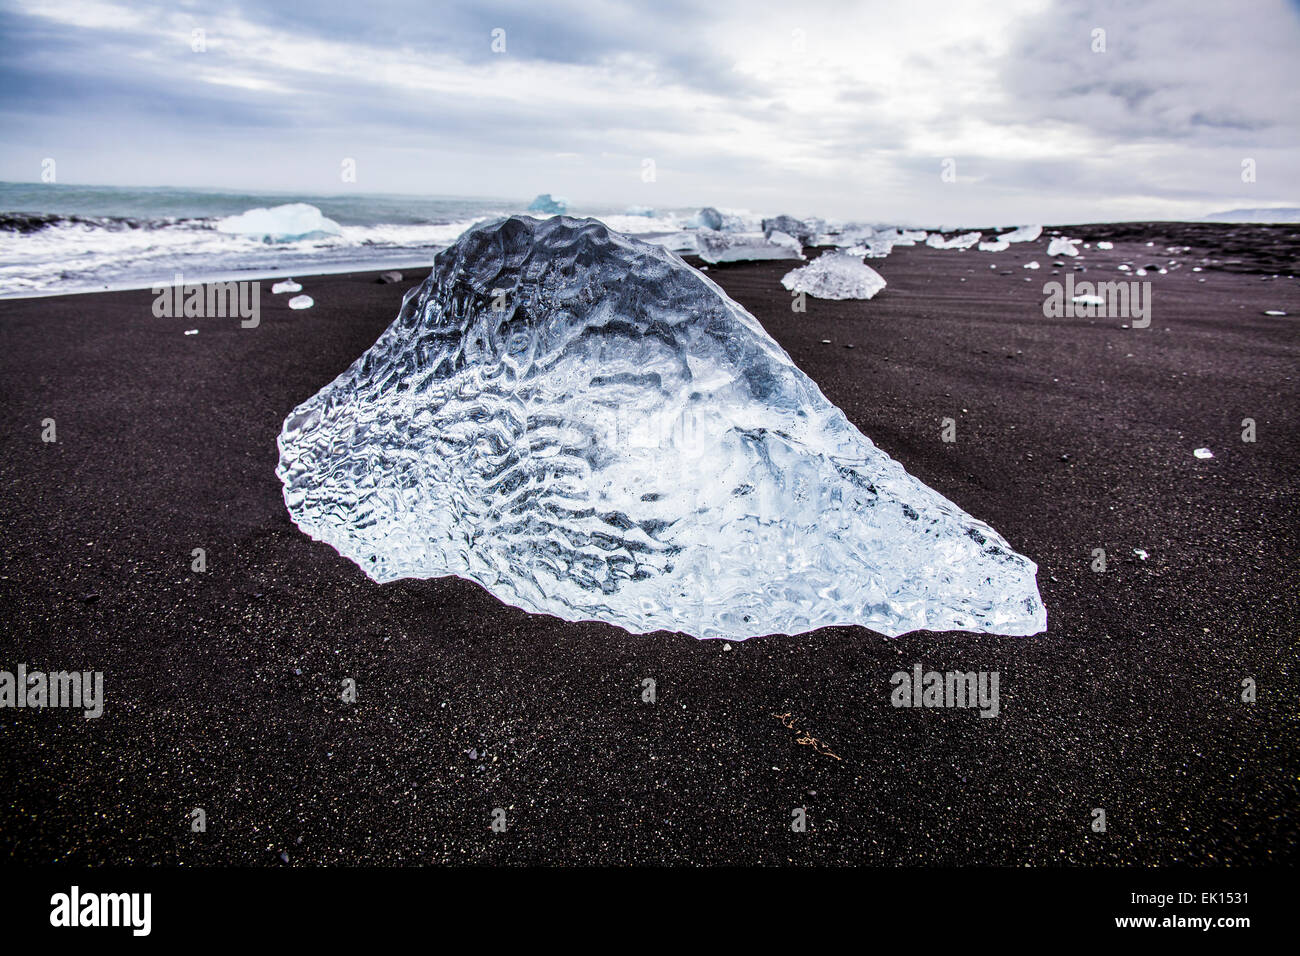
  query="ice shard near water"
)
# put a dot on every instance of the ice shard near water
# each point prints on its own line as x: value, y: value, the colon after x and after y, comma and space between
x: 287, y: 223
x: 592, y: 429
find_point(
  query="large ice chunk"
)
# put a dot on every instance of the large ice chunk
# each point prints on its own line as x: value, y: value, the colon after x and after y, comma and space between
x: 1060, y: 246
x: 592, y: 429
x: 746, y: 246
x: 835, y: 275
x: 295, y: 220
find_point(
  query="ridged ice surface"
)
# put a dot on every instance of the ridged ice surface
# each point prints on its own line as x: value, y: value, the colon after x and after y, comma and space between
x: 590, y: 428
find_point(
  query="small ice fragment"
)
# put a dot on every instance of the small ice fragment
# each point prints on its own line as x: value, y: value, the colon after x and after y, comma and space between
x: 191, y: 331
x: 996, y: 245
x: 1140, y: 272
x: 1031, y: 265
x: 1141, y: 554
x: 874, y: 248
x: 1062, y: 247
x: 1023, y: 234
x: 1203, y: 453
x: 835, y: 275
x: 1089, y: 300
x: 388, y: 278
x: 1123, y: 267
x: 301, y: 302
x: 288, y: 285
x: 1273, y: 312
x: 967, y: 239
x: 1103, y: 244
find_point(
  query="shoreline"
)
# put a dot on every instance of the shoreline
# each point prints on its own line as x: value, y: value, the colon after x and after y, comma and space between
x: 222, y: 688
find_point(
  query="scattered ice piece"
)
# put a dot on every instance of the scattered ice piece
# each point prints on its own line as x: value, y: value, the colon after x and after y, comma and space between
x: 805, y: 232
x: 287, y: 223
x: 1141, y: 554
x: 1203, y: 453
x: 746, y: 246
x: 1089, y: 300
x: 996, y: 245
x: 288, y: 285
x: 301, y: 302
x: 191, y: 331
x: 549, y: 205
x: 964, y: 241
x: 1061, y: 246
x: 835, y: 275
x: 1124, y: 267
x: 1273, y: 312
x: 1103, y: 244
x: 1140, y: 272
x: 1023, y: 234
x: 627, y: 444
x: 1031, y: 265
x: 873, y: 248
x: 390, y: 278
x: 851, y: 234
x: 1197, y: 269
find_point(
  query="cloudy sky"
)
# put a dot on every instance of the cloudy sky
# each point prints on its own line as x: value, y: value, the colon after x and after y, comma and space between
x: 846, y: 109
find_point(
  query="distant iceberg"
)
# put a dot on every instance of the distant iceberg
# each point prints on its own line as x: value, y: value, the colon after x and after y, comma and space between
x: 590, y: 428
x: 1284, y: 214
x: 746, y: 246
x: 835, y: 275
x: 295, y: 220
x: 545, y: 203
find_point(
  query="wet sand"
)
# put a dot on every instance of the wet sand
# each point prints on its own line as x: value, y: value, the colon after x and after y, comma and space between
x: 223, y: 688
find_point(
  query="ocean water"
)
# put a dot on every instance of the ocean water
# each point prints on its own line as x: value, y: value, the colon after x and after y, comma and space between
x: 62, y: 238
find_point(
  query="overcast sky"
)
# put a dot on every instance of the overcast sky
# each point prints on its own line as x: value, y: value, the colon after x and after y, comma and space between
x: 842, y: 109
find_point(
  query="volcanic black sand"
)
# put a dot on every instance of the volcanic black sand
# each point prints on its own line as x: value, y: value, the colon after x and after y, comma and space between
x: 223, y: 688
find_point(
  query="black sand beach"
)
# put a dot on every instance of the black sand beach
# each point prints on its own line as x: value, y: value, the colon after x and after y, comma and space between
x: 223, y: 688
